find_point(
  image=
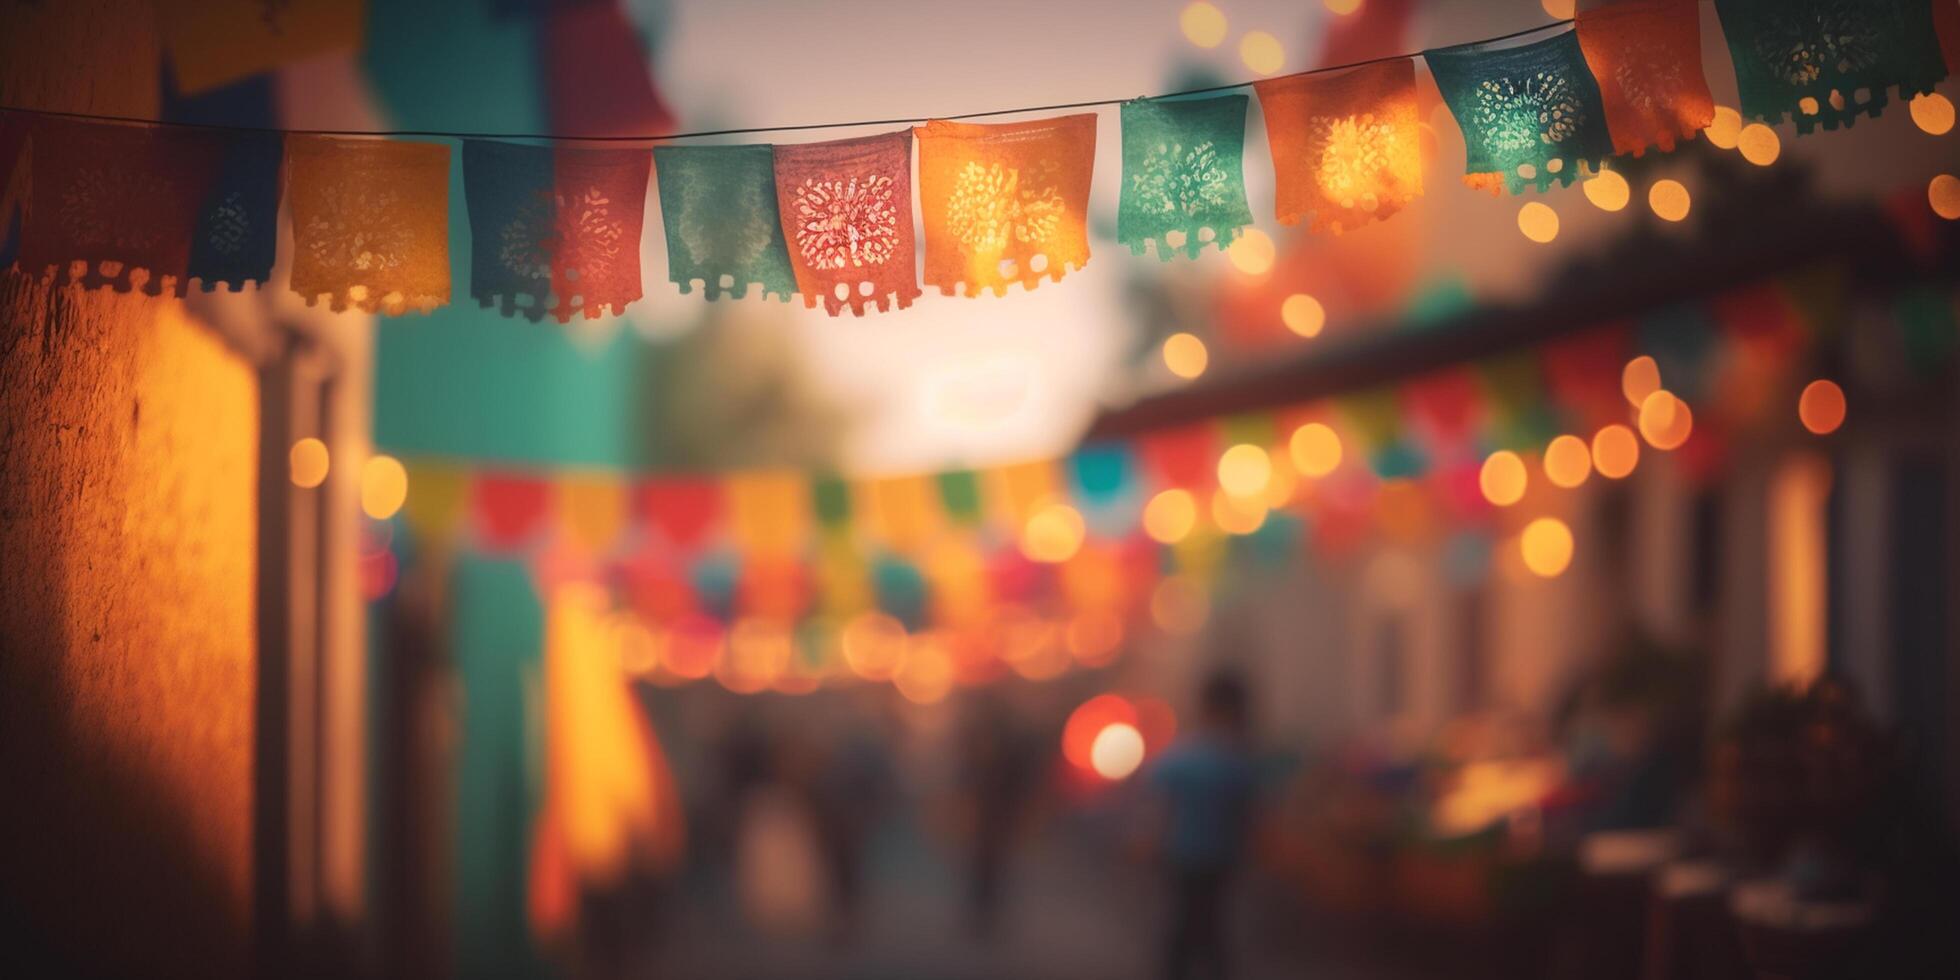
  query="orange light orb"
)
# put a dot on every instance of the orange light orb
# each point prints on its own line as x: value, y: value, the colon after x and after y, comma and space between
x: 1117, y: 752
x: 1170, y: 515
x: 307, y: 463
x: 1244, y: 470
x: 1821, y: 407
x: 1568, y: 461
x: 1640, y: 378
x: 1615, y: 451
x: 1503, y: 478
x: 1316, y: 449
x: 1665, y: 421
x: 1546, y: 546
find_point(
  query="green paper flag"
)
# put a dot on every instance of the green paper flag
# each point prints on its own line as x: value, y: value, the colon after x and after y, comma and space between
x: 1182, y: 175
x: 1825, y: 62
x: 718, y: 204
x: 1530, y: 115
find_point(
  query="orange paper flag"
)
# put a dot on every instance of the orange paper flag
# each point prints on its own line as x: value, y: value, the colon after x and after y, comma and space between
x: 215, y: 42
x: 1646, y: 55
x: 1346, y: 146
x: 1005, y: 203
x: 370, y: 222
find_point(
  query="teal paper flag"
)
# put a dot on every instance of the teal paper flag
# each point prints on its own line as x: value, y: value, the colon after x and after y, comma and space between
x: 1183, y: 174
x: 1530, y: 115
x: 1825, y: 62
x: 718, y: 204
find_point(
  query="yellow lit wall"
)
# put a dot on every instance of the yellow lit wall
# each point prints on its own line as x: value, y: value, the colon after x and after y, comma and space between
x: 1799, y: 492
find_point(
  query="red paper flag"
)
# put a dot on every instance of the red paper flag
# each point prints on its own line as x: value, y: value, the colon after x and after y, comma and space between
x: 683, y: 510
x: 509, y: 509
x: 1186, y: 457
x: 847, y: 215
x: 596, y: 76
x: 1646, y: 55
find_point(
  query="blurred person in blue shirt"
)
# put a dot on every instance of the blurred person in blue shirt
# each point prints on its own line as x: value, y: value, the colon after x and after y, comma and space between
x: 1207, y: 782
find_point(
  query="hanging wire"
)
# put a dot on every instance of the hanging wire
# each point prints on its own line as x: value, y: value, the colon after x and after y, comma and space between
x: 752, y: 130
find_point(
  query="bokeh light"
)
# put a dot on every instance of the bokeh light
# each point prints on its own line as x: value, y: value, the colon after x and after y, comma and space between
x: 1053, y: 535
x: 1759, y: 144
x: 1170, y: 515
x: 1665, y: 421
x: 1237, y: 515
x: 1568, y: 461
x: 1640, y: 378
x: 1303, y: 315
x: 1615, y: 451
x: 1261, y: 52
x: 1503, y: 478
x: 1203, y: 24
x: 1670, y: 200
x: 926, y: 675
x: 1562, y: 9
x: 1185, y: 355
x: 1726, y: 129
x: 1944, y: 195
x: 1546, y: 546
x: 1821, y: 406
x: 307, y: 463
x: 1538, y: 222
x: 1341, y: 7
x: 1244, y: 470
x: 873, y: 645
x: 1253, y: 252
x: 1086, y: 723
x: 1117, y: 751
x: 1094, y: 637
x: 1608, y: 191
x: 384, y: 487
x: 1933, y: 113
x: 1315, y: 448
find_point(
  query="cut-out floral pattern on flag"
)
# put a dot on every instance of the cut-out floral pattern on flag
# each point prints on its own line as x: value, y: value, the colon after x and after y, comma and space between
x: 1005, y: 203
x: 237, y: 234
x: 213, y: 42
x: 1531, y: 115
x: 560, y: 226
x: 370, y: 223
x: 1346, y: 146
x: 718, y: 205
x: 1825, y: 62
x: 847, y: 211
x: 1646, y: 57
x: 1183, y: 175
x: 125, y: 206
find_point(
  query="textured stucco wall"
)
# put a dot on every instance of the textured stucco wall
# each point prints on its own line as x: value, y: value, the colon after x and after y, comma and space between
x: 128, y: 447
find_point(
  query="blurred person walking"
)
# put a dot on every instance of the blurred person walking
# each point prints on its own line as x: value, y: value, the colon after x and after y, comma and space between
x: 1206, y: 783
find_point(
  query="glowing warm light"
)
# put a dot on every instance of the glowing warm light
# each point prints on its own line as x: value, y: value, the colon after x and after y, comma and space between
x: 1546, y: 545
x: 1178, y: 606
x: 1797, y: 503
x: 1665, y: 421
x: 1086, y: 723
x: 1237, y: 515
x: 1726, y: 129
x: 1341, y: 7
x: 873, y: 645
x: 927, y: 673
x: 1562, y: 9
x: 1117, y: 752
x: 1538, y: 222
x: 1185, y: 355
x: 1944, y: 195
x: 1670, y: 200
x: 1503, y: 478
x: 1279, y: 489
x: 1094, y: 637
x: 1053, y: 535
x: 1253, y: 252
x: 1303, y: 315
x: 1933, y: 113
x: 1821, y: 407
x: 1568, y: 461
x: 1244, y: 470
x: 1615, y: 452
x: 758, y: 652
x: 1316, y: 449
x: 306, y: 462
x: 1640, y: 378
x: 1608, y: 191
x: 638, y: 647
x: 1759, y: 144
x: 1170, y: 515
x: 384, y: 487
x: 1261, y: 52
x: 1203, y: 24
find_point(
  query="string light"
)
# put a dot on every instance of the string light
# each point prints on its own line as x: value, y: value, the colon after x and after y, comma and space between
x: 1503, y: 478
x: 306, y: 463
x: 384, y: 487
x: 1932, y: 113
x: 1538, y: 222
x: 1821, y: 407
x: 1203, y: 24
x: 1185, y: 355
x: 1615, y: 451
x: 1670, y: 200
x: 1568, y: 462
x: 1303, y: 315
x: 1053, y: 535
x: 1170, y: 515
x: 1665, y: 421
x: 1261, y: 52
x: 1759, y: 144
x: 1316, y: 450
x: 1117, y: 751
x: 1252, y: 253
x: 1546, y: 546
x: 1237, y: 515
x: 1608, y: 191
x: 1244, y: 470
x: 1726, y: 129
x: 1944, y: 194
x: 1640, y: 378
